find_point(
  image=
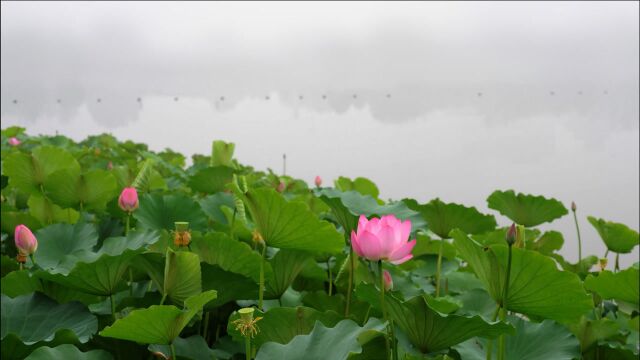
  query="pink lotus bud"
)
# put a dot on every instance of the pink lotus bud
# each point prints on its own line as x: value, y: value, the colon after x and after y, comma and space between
x: 13, y: 141
x: 318, y: 181
x: 573, y: 207
x: 280, y: 187
x: 26, y: 242
x: 511, y: 235
x: 386, y: 238
x: 128, y: 200
x: 388, y: 281
x: 109, y: 165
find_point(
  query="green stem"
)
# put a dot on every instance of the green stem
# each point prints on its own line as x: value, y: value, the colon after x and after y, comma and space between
x: 503, y: 313
x: 330, y: 276
x: 33, y: 260
x: 113, y: 307
x: 173, y: 352
x: 350, y: 287
x: 438, y: 267
x: 617, y: 266
x: 384, y: 308
x: 21, y: 267
x: 575, y: 219
x: 130, y: 282
x: 490, y: 342
x: 164, y: 296
x: 233, y: 221
x: 126, y: 228
x: 247, y: 347
x: 261, y: 289
x: 206, y: 327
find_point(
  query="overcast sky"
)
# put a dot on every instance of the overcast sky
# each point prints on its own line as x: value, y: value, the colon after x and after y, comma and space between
x: 427, y: 99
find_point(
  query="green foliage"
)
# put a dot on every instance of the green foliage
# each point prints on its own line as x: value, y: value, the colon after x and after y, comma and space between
x: 618, y: 237
x: 442, y: 217
x: 619, y: 286
x: 527, y: 210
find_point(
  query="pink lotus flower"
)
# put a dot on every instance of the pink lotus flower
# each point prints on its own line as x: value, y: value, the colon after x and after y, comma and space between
x: 128, y: 199
x: 26, y: 242
x: 13, y: 141
x: 388, y: 281
x: 280, y: 187
x: 318, y: 181
x: 383, y: 239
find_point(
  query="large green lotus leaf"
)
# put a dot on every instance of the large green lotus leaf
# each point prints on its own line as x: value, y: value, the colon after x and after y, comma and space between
x: 322, y: 302
x: 498, y: 236
x: 230, y: 286
x: 426, y: 245
x: 428, y: 329
x: 281, y: 324
x: 162, y: 211
x: 292, y: 225
x: 620, y: 286
x: 527, y: 210
x: 361, y: 185
x: 286, y: 265
x: 18, y: 283
x: 618, y: 237
x: 211, y: 180
x: 581, y: 268
x: 158, y: 324
x: 548, y: 243
x: 12, y: 218
x: 103, y: 276
x: 211, y: 205
x: 217, y: 248
x: 193, y: 347
x: 348, y: 206
x: 536, y: 286
x: 135, y: 240
x: 46, y: 212
x: 91, y: 190
x: 67, y: 351
x: 182, y: 275
x: 59, y: 241
x: 35, y: 317
x: 443, y: 217
x: 29, y: 172
x: 531, y: 341
x: 339, y: 342
x: 590, y: 332
x: 222, y: 153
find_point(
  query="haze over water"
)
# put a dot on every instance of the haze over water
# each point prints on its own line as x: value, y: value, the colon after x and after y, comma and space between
x: 449, y: 100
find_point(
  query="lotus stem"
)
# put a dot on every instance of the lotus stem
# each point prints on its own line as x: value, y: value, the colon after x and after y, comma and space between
x: 617, y: 266
x: 173, y: 352
x: 261, y: 289
x: 33, y: 260
x: 126, y: 228
x: 350, y: 287
x: 490, y: 342
x: 438, y: 267
x: 384, y: 308
x: 233, y: 221
x: 330, y: 276
x: 206, y: 327
x: 113, y: 307
x: 247, y: 347
x: 164, y: 296
x: 575, y: 219
x: 503, y: 312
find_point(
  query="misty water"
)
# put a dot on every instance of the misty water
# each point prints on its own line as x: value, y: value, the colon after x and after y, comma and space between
x: 423, y: 108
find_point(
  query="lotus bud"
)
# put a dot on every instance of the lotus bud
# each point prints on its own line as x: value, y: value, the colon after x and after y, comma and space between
x: 388, y: 281
x: 280, y: 187
x: 603, y: 263
x: 318, y: 181
x: 128, y: 199
x: 182, y: 234
x: 573, y: 206
x: 511, y: 235
x: 257, y: 237
x: 13, y: 141
x: 26, y: 242
x: 109, y: 165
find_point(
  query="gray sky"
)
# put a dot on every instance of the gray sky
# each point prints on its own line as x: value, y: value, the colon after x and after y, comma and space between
x: 539, y: 97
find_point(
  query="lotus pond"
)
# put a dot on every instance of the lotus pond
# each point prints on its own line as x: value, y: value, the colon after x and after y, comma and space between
x: 113, y: 251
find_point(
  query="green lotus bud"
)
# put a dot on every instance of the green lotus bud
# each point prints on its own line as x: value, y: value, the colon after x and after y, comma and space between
x: 573, y: 206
